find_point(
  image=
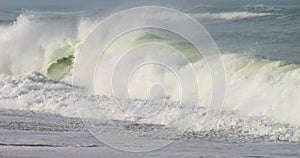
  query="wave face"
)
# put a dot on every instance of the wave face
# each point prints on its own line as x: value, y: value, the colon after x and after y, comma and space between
x: 261, y: 94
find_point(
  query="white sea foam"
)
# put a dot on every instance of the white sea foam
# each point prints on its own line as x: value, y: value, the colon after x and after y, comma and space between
x: 35, y: 92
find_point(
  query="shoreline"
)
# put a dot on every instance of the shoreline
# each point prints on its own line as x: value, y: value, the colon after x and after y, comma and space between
x: 55, y: 139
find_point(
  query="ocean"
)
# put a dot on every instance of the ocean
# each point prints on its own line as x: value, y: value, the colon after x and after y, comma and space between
x: 229, y: 88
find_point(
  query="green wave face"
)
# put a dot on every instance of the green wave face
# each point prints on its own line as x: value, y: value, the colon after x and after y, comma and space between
x: 185, y: 48
x: 61, y: 68
x: 252, y: 68
x: 62, y: 64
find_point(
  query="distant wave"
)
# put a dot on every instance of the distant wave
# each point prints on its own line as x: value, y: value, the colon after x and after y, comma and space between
x: 260, y: 8
x: 242, y: 12
x: 230, y: 15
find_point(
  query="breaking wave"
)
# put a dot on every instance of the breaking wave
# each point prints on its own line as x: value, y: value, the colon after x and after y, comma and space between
x: 261, y: 99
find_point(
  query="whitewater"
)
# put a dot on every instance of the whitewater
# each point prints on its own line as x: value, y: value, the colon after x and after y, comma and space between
x: 39, y: 49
